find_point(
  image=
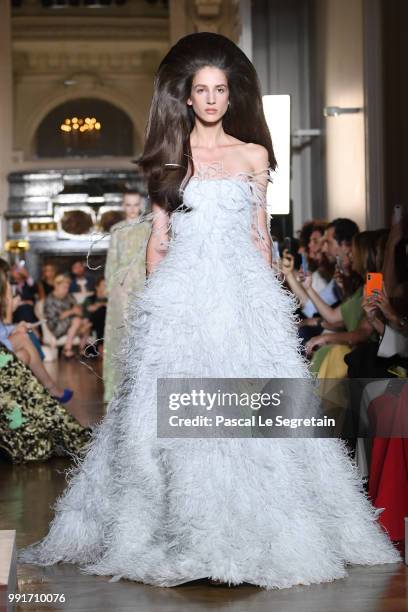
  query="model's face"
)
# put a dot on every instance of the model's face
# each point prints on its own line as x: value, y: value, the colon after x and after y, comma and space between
x: 209, y: 94
x: 132, y: 203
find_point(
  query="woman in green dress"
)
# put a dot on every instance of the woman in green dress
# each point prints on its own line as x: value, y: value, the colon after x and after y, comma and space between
x: 125, y: 273
x: 349, y: 316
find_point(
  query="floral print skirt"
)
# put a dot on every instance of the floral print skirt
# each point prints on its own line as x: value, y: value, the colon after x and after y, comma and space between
x: 33, y: 425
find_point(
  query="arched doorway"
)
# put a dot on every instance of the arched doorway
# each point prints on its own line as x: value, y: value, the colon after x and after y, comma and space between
x: 85, y: 127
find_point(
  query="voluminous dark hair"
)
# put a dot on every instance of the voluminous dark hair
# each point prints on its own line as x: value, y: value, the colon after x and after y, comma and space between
x: 344, y: 230
x: 308, y: 228
x: 171, y: 119
x: 365, y: 252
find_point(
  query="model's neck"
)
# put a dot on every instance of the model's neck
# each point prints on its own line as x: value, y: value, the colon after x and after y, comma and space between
x: 207, y: 136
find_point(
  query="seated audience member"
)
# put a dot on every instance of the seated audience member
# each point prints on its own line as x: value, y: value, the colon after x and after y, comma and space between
x: 24, y: 291
x: 348, y: 317
x: 317, y: 263
x: 46, y: 283
x: 388, y: 467
x: 387, y: 312
x: 390, y: 353
x: 310, y: 238
x: 95, y: 310
x: 82, y: 283
x: 382, y: 404
x: 64, y: 316
x: 387, y: 315
x: 335, y: 248
x: 33, y: 425
x: 16, y: 340
x: 321, y: 270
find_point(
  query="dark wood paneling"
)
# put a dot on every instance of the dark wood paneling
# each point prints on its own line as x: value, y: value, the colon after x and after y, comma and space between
x: 395, y: 58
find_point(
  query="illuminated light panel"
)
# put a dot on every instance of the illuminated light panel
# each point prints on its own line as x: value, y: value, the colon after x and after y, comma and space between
x: 277, y: 114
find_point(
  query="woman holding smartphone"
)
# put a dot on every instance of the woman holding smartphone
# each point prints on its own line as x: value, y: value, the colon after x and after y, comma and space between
x: 346, y: 323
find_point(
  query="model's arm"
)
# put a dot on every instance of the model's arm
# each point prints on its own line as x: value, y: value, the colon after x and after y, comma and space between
x: 158, y: 243
x: 261, y: 235
x: 260, y: 217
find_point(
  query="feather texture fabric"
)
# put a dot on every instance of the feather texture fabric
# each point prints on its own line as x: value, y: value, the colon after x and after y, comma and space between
x: 272, y: 512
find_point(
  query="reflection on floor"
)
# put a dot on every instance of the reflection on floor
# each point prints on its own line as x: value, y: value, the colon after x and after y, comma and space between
x: 85, y: 378
x: 27, y: 493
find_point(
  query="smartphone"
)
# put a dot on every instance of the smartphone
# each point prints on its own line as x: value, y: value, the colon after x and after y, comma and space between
x: 305, y: 264
x: 339, y: 263
x: 287, y: 244
x: 374, y: 283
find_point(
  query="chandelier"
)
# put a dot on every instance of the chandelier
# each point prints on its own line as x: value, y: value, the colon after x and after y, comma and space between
x: 78, y: 124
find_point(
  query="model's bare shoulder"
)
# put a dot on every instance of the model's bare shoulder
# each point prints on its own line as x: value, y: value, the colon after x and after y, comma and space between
x: 257, y: 156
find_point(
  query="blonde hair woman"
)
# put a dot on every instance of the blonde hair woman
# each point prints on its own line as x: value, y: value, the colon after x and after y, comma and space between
x: 64, y: 316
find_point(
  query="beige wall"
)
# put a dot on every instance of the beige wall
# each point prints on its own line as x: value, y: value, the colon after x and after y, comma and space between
x: 110, y: 58
x: 110, y: 54
x: 110, y: 63
x: 339, y: 46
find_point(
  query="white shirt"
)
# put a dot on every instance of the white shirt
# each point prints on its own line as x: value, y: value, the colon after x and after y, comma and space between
x: 327, y: 294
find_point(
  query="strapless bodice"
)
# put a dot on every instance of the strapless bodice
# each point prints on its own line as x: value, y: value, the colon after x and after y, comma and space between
x: 217, y: 206
x: 228, y: 193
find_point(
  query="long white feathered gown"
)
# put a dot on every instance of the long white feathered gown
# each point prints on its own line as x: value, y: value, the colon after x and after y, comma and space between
x: 272, y: 512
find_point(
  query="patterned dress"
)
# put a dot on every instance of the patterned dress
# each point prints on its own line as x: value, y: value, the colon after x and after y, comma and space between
x: 53, y: 307
x: 33, y: 425
x: 125, y: 273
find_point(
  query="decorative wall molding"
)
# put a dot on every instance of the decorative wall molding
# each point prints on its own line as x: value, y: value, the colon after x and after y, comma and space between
x: 208, y: 9
x: 218, y: 16
x: 131, y: 8
x: 62, y: 27
x: 51, y: 62
x: 63, y: 55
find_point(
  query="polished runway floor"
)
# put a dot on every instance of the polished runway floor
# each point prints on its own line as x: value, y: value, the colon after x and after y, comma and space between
x: 28, y: 491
